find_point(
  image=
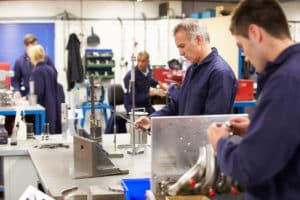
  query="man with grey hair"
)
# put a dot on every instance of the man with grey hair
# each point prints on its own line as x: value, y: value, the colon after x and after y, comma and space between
x: 209, y: 86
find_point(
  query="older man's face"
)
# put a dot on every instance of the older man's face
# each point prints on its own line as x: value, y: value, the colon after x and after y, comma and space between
x: 142, y: 62
x: 187, y: 48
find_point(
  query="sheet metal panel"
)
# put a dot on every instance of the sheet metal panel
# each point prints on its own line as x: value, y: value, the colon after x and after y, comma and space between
x: 175, y: 144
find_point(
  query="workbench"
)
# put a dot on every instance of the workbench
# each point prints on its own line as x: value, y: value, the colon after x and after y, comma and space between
x: 18, y: 169
x: 55, y: 170
x: 37, y: 110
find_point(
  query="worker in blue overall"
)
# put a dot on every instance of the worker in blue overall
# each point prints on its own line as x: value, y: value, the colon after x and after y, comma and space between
x: 145, y: 87
x: 267, y: 160
x: 46, y: 87
x: 23, y: 68
x: 209, y: 86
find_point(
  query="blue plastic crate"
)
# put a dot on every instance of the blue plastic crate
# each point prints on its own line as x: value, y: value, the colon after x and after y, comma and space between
x: 135, y: 189
x: 204, y: 14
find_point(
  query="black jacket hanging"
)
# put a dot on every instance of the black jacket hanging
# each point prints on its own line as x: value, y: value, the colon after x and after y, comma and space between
x: 75, y: 68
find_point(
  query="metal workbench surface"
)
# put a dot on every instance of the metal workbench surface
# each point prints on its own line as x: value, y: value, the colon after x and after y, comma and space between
x: 24, y: 107
x: 55, y: 169
x: 37, y: 110
x: 21, y: 149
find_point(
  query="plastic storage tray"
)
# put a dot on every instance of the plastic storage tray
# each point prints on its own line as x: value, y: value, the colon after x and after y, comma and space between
x: 135, y: 189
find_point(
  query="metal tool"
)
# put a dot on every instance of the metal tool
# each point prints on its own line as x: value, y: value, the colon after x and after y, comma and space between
x: 135, y: 149
x: 229, y: 126
x: 137, y: 126
x: 68, y: 191
x: 32, y: 97
x: 95, y: 126
x: 53, y: 146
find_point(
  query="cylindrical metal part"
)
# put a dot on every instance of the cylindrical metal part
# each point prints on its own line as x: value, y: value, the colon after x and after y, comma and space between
x: 31, y: 87
x: 140, y: 137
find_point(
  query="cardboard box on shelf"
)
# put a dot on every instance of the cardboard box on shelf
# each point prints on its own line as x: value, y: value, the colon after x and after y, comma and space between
x: 224, y: 10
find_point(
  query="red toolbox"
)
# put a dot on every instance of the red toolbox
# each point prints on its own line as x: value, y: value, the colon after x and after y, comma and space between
x: 245, y: 90
x: 168, y: 75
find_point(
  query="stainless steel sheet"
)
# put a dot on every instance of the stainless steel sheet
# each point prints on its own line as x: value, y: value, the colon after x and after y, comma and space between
x: 175, y: 144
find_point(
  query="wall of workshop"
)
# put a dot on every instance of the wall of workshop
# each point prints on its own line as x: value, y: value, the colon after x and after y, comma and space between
x: 159, y: 39
x: 291, y: 9
x: 102, y: 15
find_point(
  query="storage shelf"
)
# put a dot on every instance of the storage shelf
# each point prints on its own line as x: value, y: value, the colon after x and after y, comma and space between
x: 98, y: 57
x: 100, y: 62
x: 98, y: 51
x: 107, y: 76
x: 99, y: 65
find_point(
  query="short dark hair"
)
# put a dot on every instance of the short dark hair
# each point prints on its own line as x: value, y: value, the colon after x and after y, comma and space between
x: 29, y: 39
x: 267, y: 14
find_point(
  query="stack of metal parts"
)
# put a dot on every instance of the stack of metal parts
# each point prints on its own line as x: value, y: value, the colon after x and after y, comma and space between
x: 183, y: 161
x: 6, y: 97
x: 30, y: 131
x: 202, y: 178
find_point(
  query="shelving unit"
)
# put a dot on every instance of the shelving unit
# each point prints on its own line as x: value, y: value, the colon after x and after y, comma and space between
x: 100, y: 63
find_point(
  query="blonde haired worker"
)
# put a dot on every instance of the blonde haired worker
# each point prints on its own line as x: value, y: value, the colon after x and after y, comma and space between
x: 46, y: 87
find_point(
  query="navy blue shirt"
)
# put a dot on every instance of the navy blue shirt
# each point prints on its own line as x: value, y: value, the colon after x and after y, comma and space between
x: 23, y: 69
x: 142, y: 86
x: 267, y: 160
x: 47, y: 91
x: 208, y: 88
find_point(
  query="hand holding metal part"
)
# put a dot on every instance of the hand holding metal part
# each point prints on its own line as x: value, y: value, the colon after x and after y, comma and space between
x: 144, y: 122
x: 239, y: 125
x: 137, y: 125
x: 218, y: 130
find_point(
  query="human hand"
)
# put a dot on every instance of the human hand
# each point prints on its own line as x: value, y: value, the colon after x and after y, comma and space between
x: 160, y: 92
x: 239, y: 125
x: 143, y: 121
x: 162, y: 86
x: 216, y: 131
x: 17, y: 95
x: 157, y: 92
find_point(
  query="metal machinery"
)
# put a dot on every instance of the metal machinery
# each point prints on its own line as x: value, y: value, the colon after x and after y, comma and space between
x: 95, y: 126
x: 183, y: 161
x: 5, y: 94
x: 90, y: 158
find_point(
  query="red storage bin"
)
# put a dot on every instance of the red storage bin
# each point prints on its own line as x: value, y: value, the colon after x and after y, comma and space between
x: 168, y: 75
x: 5, y: 66
x: 245, y: 90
